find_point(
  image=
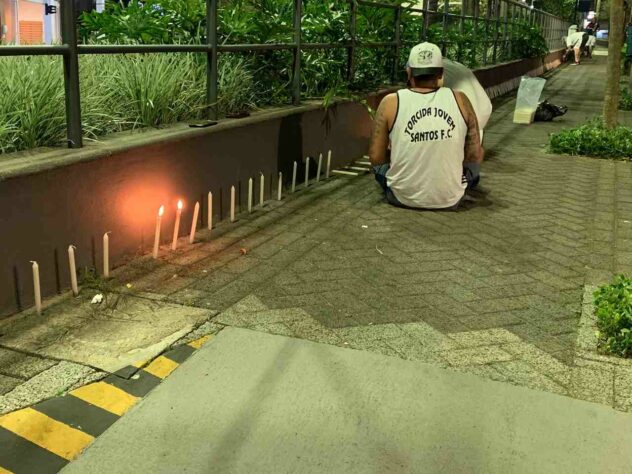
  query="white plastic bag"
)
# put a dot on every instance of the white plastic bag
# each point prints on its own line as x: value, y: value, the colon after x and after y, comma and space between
x: 458, y: 77
x: 528, y: 98
x: 529, y: 92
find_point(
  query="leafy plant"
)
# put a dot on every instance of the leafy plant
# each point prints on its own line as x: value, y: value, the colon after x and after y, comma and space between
x: 625, y: 101
x: 613, y: 308
x: 124, y: 92
x: 146, y: 21
x: 593, y: 139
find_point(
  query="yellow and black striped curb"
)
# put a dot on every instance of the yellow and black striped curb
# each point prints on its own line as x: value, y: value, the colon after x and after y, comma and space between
x: 47, y: 436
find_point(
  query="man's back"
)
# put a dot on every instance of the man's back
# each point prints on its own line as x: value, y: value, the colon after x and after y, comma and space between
x: 427, y: 149
x: 574, y: 40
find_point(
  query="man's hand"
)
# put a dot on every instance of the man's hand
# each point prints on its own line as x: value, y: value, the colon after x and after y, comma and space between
x: 384, y: 117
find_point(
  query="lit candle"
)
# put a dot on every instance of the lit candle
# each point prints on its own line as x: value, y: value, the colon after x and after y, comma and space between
x: 280, y: 187
x: 261, y: 189
x: 73, y: 270
x: 210, y: 210
x: 250, y: 195
x: 106, y: 255
x: 232, y: 203
x: 176, y: 228
x: 36, y: 288
x: 294, y: 176
x: 320, y: 165
x: 307, y: 172
x: 328, y: 165
x: 196, y: 212
x: 161, y: 211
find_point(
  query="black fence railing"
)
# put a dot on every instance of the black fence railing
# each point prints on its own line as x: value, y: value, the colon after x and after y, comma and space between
x: 498, y: 38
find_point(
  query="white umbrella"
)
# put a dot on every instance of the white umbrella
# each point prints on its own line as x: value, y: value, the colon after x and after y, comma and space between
x: 459, y: 77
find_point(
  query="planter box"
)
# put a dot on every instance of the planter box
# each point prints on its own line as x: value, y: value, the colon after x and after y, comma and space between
x: 51, y: 198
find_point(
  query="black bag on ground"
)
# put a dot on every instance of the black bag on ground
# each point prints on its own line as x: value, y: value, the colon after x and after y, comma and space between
x: 547, y: 111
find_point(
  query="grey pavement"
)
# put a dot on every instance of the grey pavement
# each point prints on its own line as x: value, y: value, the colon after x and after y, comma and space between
x: 497, y: 289
x: 253, y: 402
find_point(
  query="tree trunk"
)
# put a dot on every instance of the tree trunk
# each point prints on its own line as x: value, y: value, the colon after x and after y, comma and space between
x: 615, y: 43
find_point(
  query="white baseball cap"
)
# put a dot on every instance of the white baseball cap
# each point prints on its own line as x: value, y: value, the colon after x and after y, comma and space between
x: 425, y: 58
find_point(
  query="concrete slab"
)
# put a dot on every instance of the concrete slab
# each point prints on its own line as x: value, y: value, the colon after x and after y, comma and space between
x: 121, y: 331
x: 253, y: 402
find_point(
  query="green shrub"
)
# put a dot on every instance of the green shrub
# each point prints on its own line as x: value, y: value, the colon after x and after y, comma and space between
x: 613, y: 308
x: 625, y: 101
x: 593, y: 139
x: 124, y: 92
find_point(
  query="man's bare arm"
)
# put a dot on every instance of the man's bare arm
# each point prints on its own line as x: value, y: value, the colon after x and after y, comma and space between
x: 378, y: 149
x: 473, y: 149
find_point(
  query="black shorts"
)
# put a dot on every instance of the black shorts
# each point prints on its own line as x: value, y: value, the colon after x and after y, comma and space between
x: 584, y: 40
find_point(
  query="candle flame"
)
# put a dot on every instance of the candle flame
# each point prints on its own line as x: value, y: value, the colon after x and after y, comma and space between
x: 161, y: 211
x: 179, y: 204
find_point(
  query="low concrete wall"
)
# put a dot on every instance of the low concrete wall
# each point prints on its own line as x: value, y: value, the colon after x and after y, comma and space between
x: 52, y: 198
x: 499, y: 80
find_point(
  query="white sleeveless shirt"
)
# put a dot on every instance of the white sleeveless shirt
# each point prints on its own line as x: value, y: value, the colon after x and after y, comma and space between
x: 427, y: 149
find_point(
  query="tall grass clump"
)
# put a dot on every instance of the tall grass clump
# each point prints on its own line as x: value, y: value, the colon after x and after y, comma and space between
x: 118, y: 92
x: 236, y: 82
x: 32, y: 107
x: 149, y: 90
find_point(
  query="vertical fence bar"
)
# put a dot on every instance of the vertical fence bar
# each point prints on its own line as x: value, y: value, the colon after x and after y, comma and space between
x: 459, y: 50
x: 296, y: 74
x: 505, y: 19
x: 496, y: 28
x: 211, y: 59
x: 353, y: 12
x: 511, y: 14
x: 398, y: 46
x: 446, y: 10
x: 71, y: 74
x: 426, y: 20
x: 475, y: 29
x: 488, y: 14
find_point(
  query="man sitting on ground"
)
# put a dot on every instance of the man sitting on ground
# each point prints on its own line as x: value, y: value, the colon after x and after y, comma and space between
x: 435, y: 147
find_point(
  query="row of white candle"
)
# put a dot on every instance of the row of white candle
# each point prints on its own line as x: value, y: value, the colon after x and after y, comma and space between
x: 176, y: 229
x: 318, y: 170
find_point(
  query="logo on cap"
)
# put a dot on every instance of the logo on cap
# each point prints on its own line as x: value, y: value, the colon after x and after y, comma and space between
x: 424, y: 57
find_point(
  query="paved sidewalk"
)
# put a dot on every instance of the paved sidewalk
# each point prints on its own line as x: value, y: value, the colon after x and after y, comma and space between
x: 496, y: 289
x: 251, y: 402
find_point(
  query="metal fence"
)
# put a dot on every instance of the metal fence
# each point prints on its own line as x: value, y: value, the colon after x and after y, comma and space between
x: 498, y: 23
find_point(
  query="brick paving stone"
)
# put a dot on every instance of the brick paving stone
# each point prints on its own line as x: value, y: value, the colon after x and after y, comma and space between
x: 493, y: 289
x: 475, y: 356
x: 487, y: 337
x: 539, y: 360
x: 523, y: 374
x: 18, y: 365
x: 8, y: 383
x: 594, y: 383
